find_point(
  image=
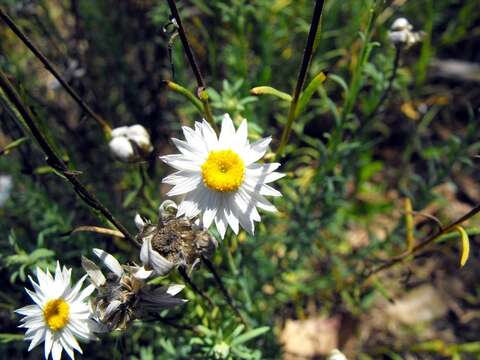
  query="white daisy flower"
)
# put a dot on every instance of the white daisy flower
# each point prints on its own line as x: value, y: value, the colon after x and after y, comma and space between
x: 60, y: 314
x: 219, y: 176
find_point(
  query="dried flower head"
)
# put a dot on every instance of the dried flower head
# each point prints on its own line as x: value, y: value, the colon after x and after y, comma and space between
x: 401, y: 33
x: 173, y: 241
x: 123, y: 295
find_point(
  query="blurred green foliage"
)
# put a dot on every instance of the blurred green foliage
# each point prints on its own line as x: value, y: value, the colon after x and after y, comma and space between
x: 342, y: 165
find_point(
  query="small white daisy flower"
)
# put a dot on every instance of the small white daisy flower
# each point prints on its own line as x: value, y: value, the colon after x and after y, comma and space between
x: 219, y: 177
x: 60, y: 314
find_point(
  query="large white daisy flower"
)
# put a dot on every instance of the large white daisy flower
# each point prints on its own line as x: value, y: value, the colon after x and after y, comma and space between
x: 60, y: 313
x: 219, y: 178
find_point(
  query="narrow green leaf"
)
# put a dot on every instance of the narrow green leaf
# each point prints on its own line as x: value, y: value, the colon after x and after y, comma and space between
x: 268, y: 90
x: 307, y: 94
x: 250, y: 335
x: 187, y: 94
x: 13, y: 145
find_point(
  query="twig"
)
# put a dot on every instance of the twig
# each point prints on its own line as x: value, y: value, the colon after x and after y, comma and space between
x: 50, y: 67
x: 428, y: 240
x: 224, y: 291
x: 193, y: 63
x: 194, y: 287
x: 307, y: 57
x: 55, y: 161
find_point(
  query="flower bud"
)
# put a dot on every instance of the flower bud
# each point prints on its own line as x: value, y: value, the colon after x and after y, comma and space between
x: 401, y: 24
x: 401, y: 33
x: 130, y: 143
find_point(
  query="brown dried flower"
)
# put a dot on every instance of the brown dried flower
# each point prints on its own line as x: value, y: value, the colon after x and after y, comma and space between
x: 123, y: 295
x: 173, y: 241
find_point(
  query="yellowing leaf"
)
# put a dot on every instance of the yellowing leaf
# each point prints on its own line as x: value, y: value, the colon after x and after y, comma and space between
x: 409, y: 111
x: 409, y: 224
x: 465, y: 248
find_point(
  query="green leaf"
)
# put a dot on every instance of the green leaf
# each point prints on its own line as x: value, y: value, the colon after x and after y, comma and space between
x: 268, y: 90
x: 13, y: 145
x: 307, y: 94
x: 250, y: 335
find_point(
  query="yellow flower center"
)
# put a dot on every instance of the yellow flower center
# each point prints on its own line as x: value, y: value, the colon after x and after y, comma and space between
x: 223, y: 171
x: 56, y: 314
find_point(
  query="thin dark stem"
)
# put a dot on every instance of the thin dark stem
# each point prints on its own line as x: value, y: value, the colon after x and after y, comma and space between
x: 51, y: 68
x: 386, y: 93
x: 302, y: 74
x: 55, y: 161
x: 193, y: 62
x: 224, y: 291
x: 194, y: 287
x: 428, y: 240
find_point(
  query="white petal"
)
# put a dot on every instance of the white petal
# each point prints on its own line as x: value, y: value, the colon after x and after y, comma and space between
x: 73, y: 293
x: 153, y: 259
x: 189, y: 185
x: 68, y: 349
x: 195, y: 139
x: 221, y: 225
x: 42, y: 278
x: 209, y: 136
x: 242, y: 135
x: 56, y: 350
x: 142, y: 273
x: 263, y: 203
x: 29, y: 310
x: 139, y: 222
x: 261, y: 169
x: 232, y: 220
x: 48, y: 343
x: 210, y: 209
x: 165, y: 205
x: 71, y: 340
x: 273, y: 177
x: 38, y: 290
x: 255, y: 151
x: 179, y: 162
x: 109, y: 262
x: 227, y: 134
x: 114, y: 304
x: 38, y: 300
x: 174, y: 289
x: 189, y: 150
x: 85, y: 293
x: 93, y: 271
x: 269, y: 191
x: 37, y: 338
